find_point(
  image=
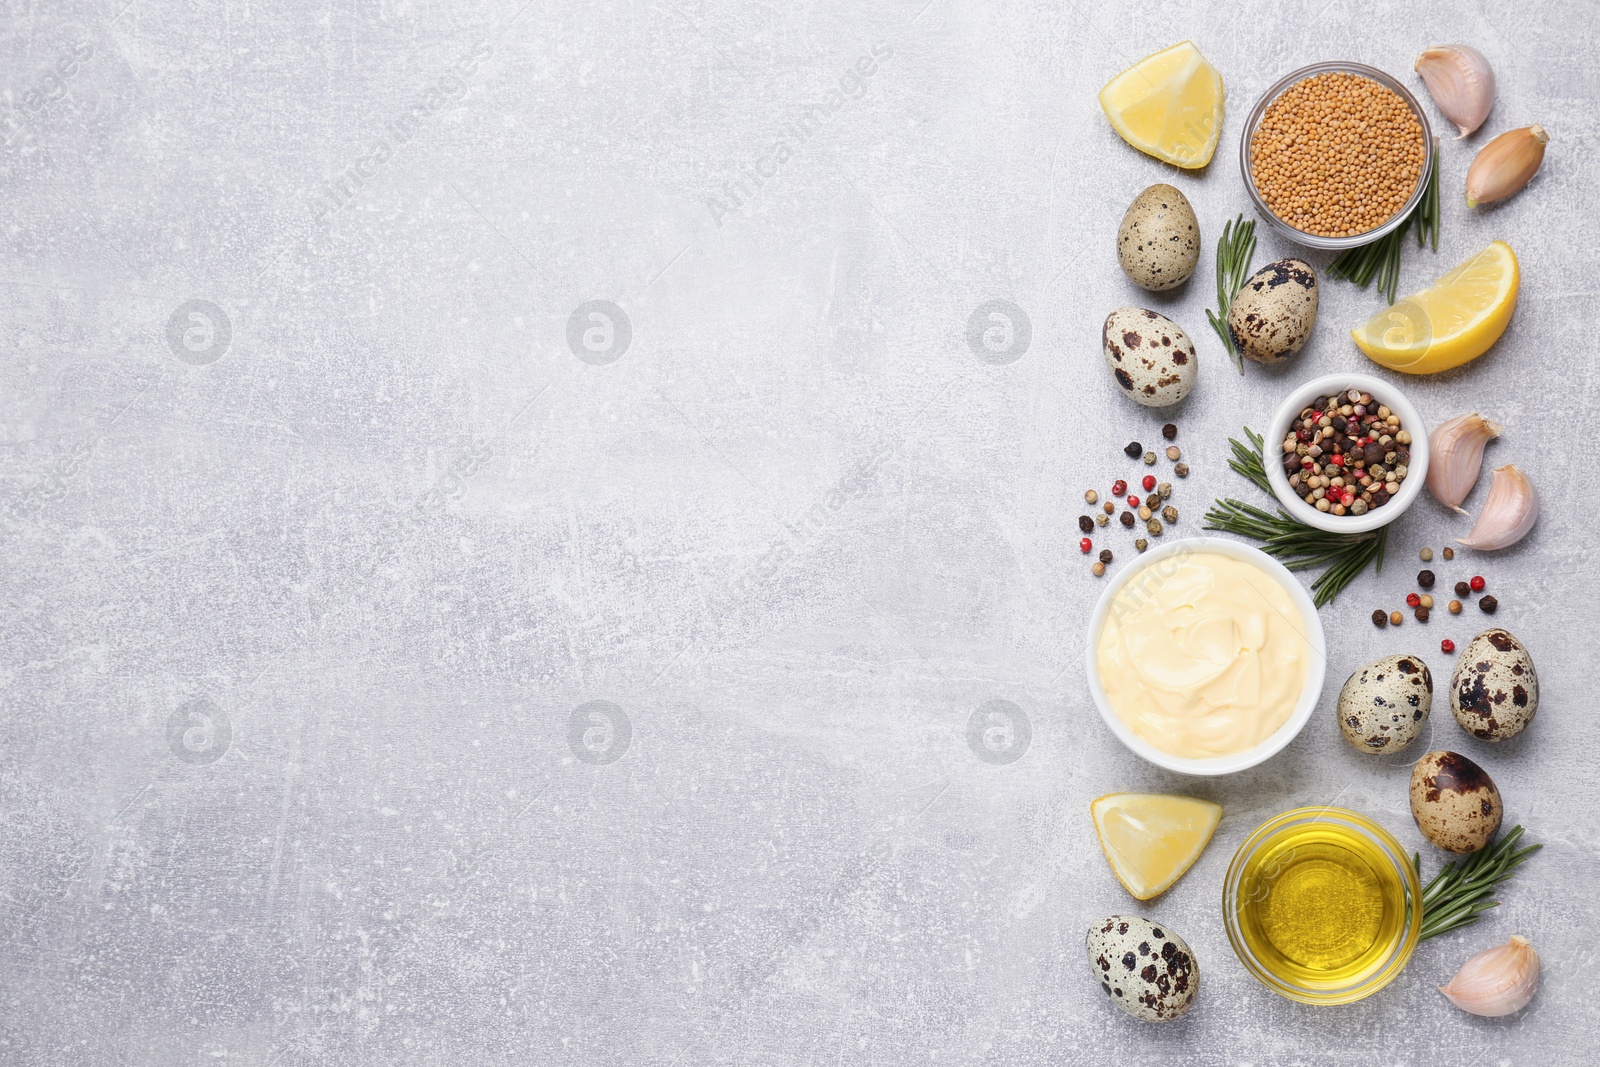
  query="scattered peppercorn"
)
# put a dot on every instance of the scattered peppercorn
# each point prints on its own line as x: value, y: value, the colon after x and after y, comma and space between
x: 1488, y: 605
x: 1447, y: 646
x: 1169, y: 513
x: 1463, y: 589
x: 1091, y: 497
x: 1427, y: 601
x: 1134, y: 449
x: 1412, y: 600
x: 1449, y: 553
x: 1425, y: 579
x: 1102, y: 519
x: 1455, y: 607
x: 1119, y: 487
x: 1133, y: 501
x: 1105, y: 555
x: 1085, y: 545
x: 1181, y: 470
x: 1421, y: 614
x: 1126, y: 519
x: 1109, y: 507
x: 1141, y: 544
x: 1395, y: 618
x: 1145, y: 513
x: 1426, y: 555
x: 1170, y: 431
x: 1154, y: 526
x: 1164, y: 490
x: 1173, y: 452
x: 1380, y: 619
x: 1149, y: 482
x: 1086, y: 524
x: 1477, y: 583
x: 1149, y: 459
x: 1098, y: 569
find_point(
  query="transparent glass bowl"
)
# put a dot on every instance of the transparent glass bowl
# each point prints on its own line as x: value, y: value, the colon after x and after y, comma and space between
x: 1387, y: 968
x: 1310, y: 239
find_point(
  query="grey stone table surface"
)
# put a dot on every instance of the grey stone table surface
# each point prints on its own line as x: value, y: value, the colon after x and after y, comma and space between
x: 409, y: 660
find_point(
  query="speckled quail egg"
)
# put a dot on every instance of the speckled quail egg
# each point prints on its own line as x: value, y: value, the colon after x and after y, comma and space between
x: 1494, y: 692
x: 1272, y: 316
x: 1158, y: 243
x: 1150, y: 356
x: 1384, y: 705
x: 1454, y: 801
x: 1145, y: 968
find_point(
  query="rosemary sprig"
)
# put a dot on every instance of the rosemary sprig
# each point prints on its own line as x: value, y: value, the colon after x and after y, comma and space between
x: 1238, y: 244
x: 1461, y: 890
x: 1381, y: 258
x: 1294, y: 544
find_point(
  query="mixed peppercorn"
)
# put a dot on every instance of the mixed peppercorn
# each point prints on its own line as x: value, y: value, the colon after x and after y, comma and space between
x: 1150, y: 510
x: 1421, y: 603
x: 1346, y: 454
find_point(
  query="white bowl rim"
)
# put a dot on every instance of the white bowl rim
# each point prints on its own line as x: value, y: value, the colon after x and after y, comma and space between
x: 1316, y: 668
x: 1384, y: 393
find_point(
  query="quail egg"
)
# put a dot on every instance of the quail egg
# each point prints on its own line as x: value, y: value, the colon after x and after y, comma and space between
x: 1494, y: 691
x: 1158, y: 243
x: 1454, y: 801
x: 1385, y: 705
x: 1145, y: 968
x: 1150, y: 356
x: 1272, y: 316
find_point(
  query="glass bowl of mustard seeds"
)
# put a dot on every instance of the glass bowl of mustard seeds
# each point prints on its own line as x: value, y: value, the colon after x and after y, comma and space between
x: 1336, y: 155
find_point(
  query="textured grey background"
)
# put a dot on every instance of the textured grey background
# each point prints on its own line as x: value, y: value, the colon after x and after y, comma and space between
x: 294, y: 637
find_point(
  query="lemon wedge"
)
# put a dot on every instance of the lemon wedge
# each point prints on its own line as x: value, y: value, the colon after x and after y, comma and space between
x: 1168, y: 105
x: 1151, y: 839
x: 1456, y: 320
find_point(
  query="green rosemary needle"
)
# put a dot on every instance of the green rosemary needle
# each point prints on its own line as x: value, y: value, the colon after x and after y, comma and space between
x: 1294, y: 544
x: 1381, y: 259
x: 1461, y: 890
x: 1234, y: 250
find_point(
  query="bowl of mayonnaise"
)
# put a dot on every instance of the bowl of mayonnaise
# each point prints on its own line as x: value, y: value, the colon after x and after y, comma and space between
x: 1206, y: 656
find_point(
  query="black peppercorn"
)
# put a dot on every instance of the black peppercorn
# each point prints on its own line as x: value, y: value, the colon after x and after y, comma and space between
x: 1127, y: 518
x: 1134, y: 450
x: 1105, y: 555
x: 1170, y: 431
x: 1425, y: 579
x: 1463, y: 589
x: 1086, y: 524
x: 1421, y: 614
x: 1488, y: 605
x: 1380, y: 618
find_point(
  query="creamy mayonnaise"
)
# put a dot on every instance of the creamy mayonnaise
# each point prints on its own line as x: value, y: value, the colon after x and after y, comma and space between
x: 1203, y: 655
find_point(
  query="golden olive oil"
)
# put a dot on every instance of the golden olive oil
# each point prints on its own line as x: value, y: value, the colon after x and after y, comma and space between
x: 1321, y: 906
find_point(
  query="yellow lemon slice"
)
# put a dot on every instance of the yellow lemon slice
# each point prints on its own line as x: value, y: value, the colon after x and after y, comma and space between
x: 1151, y: 839
x: 1456, y: 320
x: 1168, y: 105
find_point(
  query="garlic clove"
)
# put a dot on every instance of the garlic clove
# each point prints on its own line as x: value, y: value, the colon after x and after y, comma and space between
x: 1498, y: 981
x: 1505, y: 165
x: 1457, y: 456
x: 1508, y: 514
x: 1460, y: 81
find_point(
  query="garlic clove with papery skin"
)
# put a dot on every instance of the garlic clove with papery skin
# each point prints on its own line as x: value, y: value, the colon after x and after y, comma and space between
x: 1457, y: 457
x: 1508, y: 514
x: 1498, y: 981
x: 1505, y: 165
x: 1460, y: 81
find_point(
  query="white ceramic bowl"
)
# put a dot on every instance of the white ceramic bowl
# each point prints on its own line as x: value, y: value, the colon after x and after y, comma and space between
x: 1153, y: 564
x: 1383, y: 393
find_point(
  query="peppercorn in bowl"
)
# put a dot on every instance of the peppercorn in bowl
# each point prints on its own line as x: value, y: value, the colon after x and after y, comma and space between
x: 1346, y: 453
x: 1336, y: 155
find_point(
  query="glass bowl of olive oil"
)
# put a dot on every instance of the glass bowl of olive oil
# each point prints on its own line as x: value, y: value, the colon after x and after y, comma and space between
x: 1322, y: 905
